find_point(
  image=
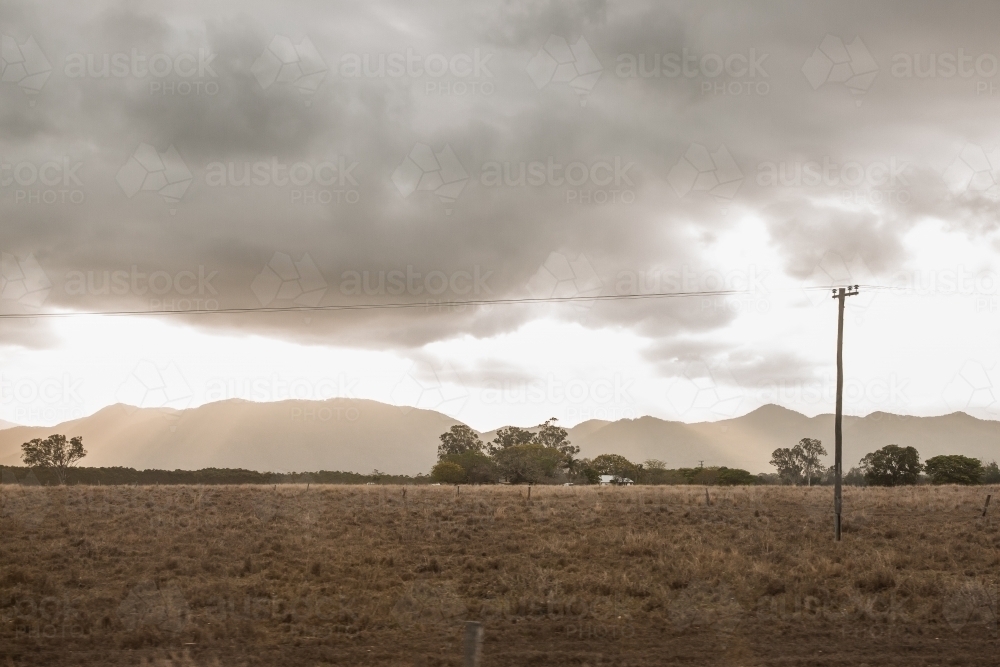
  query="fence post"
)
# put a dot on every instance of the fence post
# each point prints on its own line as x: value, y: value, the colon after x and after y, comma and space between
x: 473, y: 643
x: 987, y: 504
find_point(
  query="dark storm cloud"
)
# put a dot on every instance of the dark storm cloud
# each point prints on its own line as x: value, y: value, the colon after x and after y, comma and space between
x: 635, y: 219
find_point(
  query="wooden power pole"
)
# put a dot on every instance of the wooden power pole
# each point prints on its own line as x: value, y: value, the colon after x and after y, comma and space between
x: 840, y: 295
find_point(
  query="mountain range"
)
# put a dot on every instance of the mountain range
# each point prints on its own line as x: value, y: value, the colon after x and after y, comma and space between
x: 360, y: 435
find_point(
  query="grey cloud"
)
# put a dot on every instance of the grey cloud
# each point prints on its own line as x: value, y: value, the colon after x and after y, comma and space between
x: 508, y: 231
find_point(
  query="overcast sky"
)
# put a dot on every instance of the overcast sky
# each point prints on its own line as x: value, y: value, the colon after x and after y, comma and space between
x: 211, y: 155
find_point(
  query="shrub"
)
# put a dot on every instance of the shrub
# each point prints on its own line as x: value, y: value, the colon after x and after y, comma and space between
x: 954, y: 469
x: 616, y: 465
x: 855, y: 477
x: 735, y: 477
x: 479, y: 468
x: 448, y: 472
x: 529, y: 463
x: 892, y: 466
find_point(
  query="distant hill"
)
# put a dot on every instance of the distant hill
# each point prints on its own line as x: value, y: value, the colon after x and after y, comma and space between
x: 359, y: 435
x: 4, y: 425
x: 339, y: 434
x: 747, y: 441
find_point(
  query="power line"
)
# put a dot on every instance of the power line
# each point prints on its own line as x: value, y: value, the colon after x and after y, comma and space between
x: 379, y: 306
x: 417, y: 304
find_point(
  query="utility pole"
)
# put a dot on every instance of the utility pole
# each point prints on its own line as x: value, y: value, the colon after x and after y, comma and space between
x: 840, y: 295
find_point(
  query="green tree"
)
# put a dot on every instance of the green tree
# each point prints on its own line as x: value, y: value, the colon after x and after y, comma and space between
x: 53, y: 453
x: 555, y: 437
x: 509, y: 436
x: 448, y: 472
x: 802, y: 460
x: 809, y: 450
x: 479, y: 468
x: 551, y: 435
x: 735, y: 477
x: 616, y: 465
x: 528, y: 463
x: 892, y: 466
x: 703, y: 476
x: 954, y: 469
x: 991, y: 473
x: 459, y: 439
x: 855, y: 477
x: 788, y: 464
x: 654, y: 471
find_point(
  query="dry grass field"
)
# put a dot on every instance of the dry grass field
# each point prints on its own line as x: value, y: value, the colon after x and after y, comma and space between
x: 574, y: 576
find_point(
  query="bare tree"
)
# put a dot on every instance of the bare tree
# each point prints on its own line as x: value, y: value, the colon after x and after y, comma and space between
x: 53, y: 453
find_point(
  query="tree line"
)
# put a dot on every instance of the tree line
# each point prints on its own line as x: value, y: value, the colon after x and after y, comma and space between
x: 891, y: 465
x: 519, y: 456
x: 52, y: 460
x: 130, y: 476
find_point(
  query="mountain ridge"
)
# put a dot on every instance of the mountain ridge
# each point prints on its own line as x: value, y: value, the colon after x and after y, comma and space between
x: 360, y: 434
